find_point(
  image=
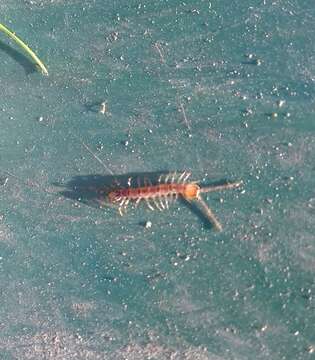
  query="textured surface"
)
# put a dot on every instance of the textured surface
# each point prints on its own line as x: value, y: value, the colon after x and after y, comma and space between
x: 224, y: 89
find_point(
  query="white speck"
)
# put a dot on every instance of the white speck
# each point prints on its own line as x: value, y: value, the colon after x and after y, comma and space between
x: 102, y: 109
x: 280, y: 103
x: 148, y: 224
x: 264, y: 328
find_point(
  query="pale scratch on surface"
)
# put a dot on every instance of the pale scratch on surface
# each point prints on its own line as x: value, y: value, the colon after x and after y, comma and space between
x: 158, y: 49
x: 182, y: 110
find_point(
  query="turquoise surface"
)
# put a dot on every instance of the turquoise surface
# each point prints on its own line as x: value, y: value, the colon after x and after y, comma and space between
x: 224, y: 89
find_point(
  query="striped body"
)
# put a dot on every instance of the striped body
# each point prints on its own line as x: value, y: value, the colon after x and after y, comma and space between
x: 158, y: 196
x: 153, y: 191
x: 169, y: 187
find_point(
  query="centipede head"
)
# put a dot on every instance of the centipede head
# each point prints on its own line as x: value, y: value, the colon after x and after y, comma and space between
x: 191, y: 191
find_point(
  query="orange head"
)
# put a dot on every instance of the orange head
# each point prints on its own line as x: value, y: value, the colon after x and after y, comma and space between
x: 191, y: 191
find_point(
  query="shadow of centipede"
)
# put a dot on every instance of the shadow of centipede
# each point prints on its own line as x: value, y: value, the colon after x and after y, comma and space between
x: 92, y: 190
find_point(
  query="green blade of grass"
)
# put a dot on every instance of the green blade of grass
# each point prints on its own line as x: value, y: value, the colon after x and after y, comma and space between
x: 29, y: 51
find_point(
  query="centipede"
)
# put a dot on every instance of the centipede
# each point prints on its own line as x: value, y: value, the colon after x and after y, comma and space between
x: 169, y: 187
x: 159, y: 195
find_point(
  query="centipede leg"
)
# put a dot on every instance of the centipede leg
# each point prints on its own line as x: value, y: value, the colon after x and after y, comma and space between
x: 121, y: 206
x: 161, y: 203
x: 126, y: 204
x: 166, y: 201
x: 186, y: 177
x: 157, y: 204
x: 173, y: 177
x: 138, y: 201
x: 171, y: 198
x: 149, y: 205
x: 181, y: 177
x: 116, y: 200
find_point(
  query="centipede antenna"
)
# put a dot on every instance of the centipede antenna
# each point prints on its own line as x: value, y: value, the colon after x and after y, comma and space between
x: 209, y: 214
x: 227, y: 186
x: 97, y: 158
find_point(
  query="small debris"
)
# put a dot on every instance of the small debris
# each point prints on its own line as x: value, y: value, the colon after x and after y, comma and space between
x: 253, y: 60
x: 103, y: 109
x: 159, y: 50
x: 264, y: 328
x: 245, y: 124
x: 3, y: 181
x: 257, y: 62
x: 249, y: 56
x: 148, y: 224
x: 182, y: 110
x: 274, y: 115
x: 247, y: 112
x: 113, y: 36
x: 260, y: 211
x: 280, y: 103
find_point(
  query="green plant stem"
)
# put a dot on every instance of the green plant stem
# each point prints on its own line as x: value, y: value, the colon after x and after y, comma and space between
x: 29, y: 51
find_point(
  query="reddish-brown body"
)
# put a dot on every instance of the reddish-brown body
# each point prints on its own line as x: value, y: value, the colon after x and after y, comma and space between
x: 153, y: 191
x: 168, y: 188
